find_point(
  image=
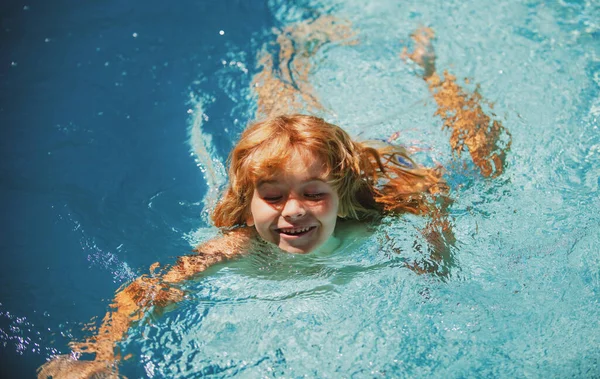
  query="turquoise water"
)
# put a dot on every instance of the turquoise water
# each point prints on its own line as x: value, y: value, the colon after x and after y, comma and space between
x: 116, y: 195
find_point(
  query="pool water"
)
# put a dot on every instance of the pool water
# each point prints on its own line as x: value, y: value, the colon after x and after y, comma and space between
x: 118, y: 118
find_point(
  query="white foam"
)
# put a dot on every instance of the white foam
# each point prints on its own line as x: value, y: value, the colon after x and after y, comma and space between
x: 206, y: 158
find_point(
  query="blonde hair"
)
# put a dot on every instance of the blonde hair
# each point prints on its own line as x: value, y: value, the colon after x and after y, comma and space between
x: 369, y: 180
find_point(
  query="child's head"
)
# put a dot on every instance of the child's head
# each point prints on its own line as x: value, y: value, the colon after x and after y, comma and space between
x: 290, y: 177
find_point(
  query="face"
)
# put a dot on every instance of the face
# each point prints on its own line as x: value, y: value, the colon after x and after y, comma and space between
x: 297, y: 209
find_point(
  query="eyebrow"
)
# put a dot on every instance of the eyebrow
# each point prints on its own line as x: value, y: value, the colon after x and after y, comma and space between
x: 272, y: 181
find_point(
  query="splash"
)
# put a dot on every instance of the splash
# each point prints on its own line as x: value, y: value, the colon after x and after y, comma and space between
x: 206, y: 158
x: 98, y: 256
x: 21, y: 334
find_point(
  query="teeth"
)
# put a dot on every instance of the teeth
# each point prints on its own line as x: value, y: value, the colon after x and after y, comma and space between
x: 295, y: 231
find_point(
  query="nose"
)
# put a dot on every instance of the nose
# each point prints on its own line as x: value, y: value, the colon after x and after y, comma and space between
x: 293, y: 208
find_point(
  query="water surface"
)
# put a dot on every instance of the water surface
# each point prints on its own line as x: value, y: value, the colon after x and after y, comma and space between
x: 102, y: 177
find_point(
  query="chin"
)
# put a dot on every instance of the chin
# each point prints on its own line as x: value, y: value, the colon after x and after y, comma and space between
x: 297, y: 250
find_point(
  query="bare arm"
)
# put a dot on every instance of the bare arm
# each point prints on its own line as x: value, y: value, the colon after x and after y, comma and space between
x: 440, y: 237
x: 486, y: 139
x: 283, y: 84
x: 132, y: 302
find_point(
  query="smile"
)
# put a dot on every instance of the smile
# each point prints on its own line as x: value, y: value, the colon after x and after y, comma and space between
x: 295, y: 231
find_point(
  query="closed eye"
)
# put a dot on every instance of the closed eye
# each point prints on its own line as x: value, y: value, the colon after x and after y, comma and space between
x: 314, y: 196
x: 272, y: 199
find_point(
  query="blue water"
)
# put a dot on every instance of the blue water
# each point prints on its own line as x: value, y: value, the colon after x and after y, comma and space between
x: 101, y: 177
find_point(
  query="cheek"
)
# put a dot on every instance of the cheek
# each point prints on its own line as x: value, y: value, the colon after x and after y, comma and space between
x: 328, y: 210
x: 334, y: 205
x: 261, y: 213
x: 250, y: 214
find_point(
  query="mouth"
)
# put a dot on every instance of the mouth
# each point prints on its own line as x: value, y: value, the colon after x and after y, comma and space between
x: 295, y: 232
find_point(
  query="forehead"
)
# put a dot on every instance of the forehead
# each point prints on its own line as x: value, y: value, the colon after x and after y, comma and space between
x: 296, y: 166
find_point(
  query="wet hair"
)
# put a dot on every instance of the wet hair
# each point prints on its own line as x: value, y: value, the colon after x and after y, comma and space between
x: 370, y: 178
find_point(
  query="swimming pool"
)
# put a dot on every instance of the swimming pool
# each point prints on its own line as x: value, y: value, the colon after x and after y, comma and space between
x: 116, y: 116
